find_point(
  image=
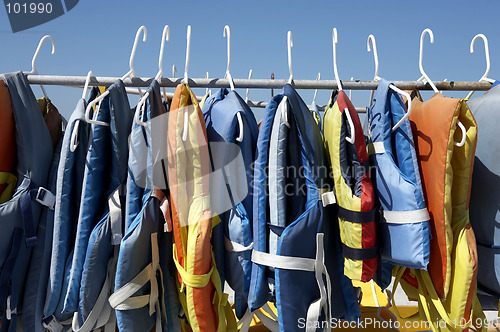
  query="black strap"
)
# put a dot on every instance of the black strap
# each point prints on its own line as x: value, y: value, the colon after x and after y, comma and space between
x: 359, y: 217
x: 359, y: 254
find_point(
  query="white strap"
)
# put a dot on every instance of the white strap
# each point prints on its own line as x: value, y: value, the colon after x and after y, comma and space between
x: 303, y: 264
x: 122, y: 299
x: 328, y: 198
x: 405, y: 217
x: 100, y: 315
x: 245, y: 321
x: 115, y: 217
x: 376, y: 148
x: 283, y: 262
x: 46, y: 198
x: 235, y: 246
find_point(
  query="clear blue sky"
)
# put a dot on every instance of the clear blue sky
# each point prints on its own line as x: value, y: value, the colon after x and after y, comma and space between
x: 98, y: 36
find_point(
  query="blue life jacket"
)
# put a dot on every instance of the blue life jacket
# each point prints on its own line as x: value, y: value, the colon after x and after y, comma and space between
x: 39, y: 269
x: 404, y: 228
x: 105, y: 172
x: 68, y: 193
x: 232, y: 238
x: 145, y: 257
x: 21, y: 214
x: 307, y: 240
x: 484, y: 205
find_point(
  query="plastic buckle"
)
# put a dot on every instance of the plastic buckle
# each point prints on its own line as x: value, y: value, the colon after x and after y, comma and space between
x: 46, y: 198
x: 52, y: 324
x: 8, y: 310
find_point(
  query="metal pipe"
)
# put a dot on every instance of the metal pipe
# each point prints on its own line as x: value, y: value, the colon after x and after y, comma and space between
x: 254, y: 83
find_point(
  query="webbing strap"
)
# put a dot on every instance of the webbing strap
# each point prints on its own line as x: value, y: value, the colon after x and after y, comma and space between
x: 122, y: 299
x: 192, y: 280
x: 405, y: 217
x: 115, y: 217
x: 235, y: 246
x: 316, y: 265
x: 358, y: 253
x: 359, y: 217
x: 375, y: 148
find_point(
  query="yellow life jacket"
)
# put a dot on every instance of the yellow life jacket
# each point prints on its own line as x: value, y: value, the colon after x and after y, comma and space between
x: 200, y: 289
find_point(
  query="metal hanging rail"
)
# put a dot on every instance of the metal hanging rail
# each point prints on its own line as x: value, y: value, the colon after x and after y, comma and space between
x: 255, y: 83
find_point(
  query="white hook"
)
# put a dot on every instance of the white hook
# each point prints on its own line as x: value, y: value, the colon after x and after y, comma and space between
x: 207, y: 92
x: 351, y: 139
x: 316, y: 91
x: 284, y: 111
x: 174, y: 70
x: 227, y: 34
x: 188, y: 51
x: 335, y: 41
x: 89, y: 108
x: 464, y: 134
x: 421, y: 55
x: 289, y: 39
x: 369, y: 44
x: 165, y: 37
x: 34, y: 71
x: 131, y: 72
x: 86, y: 86
x: 74, y: 137
x: 350, y: 91
x: 240, y: 124
x: 248, y: 90
x: 408, y: 98
x: 487, y: 53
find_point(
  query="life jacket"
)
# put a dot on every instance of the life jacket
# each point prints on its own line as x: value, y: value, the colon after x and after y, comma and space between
x: 7, y: 146
x: 199, y: 285
x: 39, y: 268
x: 353, y: 188
x: 447, y: 290
x: 70, y: 171
x: 145, y: 258
x: 104, y: 180
x: 405, y: 220
x: 485, y: 191
x: 232, y: 178
x: 21, y: 214
x: 295, y: 244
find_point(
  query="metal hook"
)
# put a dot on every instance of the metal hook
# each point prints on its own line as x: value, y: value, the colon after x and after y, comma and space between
x: 335, y: 41
x: 420, y: 58
x: 289, y: 40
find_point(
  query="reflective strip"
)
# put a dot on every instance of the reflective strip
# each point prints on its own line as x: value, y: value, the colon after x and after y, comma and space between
x: 46, y: 198
x: 376, y: 148
x: 235, y: 246
x: 405, y: 217
x: 115, y: 217
x: 327, y: 198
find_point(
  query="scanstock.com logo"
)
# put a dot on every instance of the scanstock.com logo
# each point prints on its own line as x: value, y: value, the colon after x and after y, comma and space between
x: 24, y: 15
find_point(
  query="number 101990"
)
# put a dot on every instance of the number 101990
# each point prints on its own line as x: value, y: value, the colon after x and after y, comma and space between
x: 31, y: 8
